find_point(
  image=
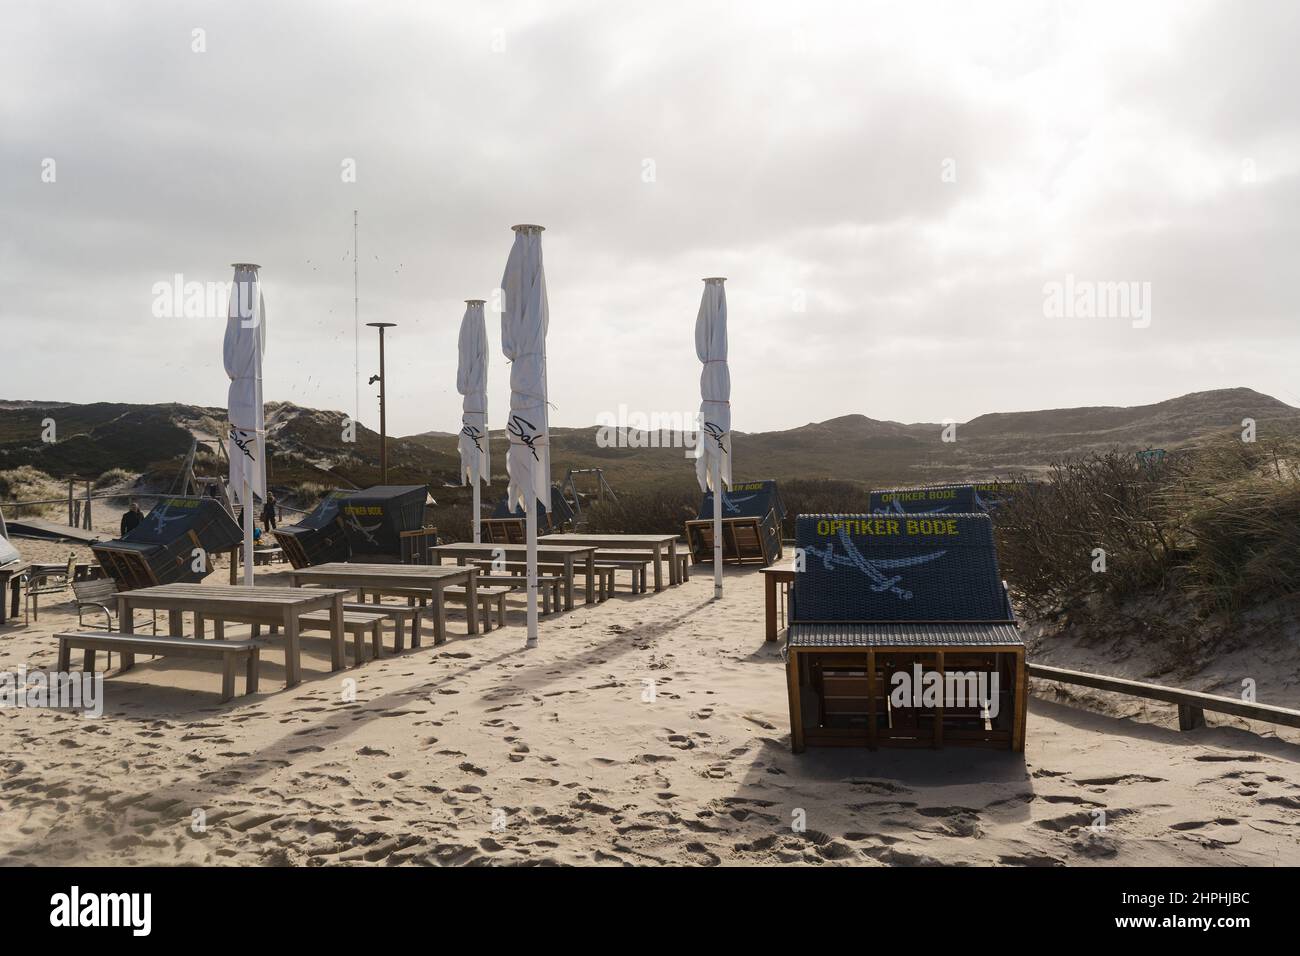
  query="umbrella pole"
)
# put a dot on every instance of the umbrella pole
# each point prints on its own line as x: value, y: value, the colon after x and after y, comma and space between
x: 478, y: 514
x: 717, y: 526
x: 531, y: 529
x: 248, y: 531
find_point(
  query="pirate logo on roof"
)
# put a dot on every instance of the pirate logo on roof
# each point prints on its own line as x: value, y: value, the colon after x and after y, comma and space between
x: 876, y: 569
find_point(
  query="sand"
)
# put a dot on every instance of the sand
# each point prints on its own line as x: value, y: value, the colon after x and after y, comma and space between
x: 482, y: 752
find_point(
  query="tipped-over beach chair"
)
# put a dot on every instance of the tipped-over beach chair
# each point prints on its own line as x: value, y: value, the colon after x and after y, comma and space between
x: 901, y: 634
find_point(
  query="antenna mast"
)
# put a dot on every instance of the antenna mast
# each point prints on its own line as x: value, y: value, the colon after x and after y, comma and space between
x: 356, y: 328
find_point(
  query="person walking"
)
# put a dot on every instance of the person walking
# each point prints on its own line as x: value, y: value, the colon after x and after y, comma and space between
x: 131, y: 518
x: 268, y: 511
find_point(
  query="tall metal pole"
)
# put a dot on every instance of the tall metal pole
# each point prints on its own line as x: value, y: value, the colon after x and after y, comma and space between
x: 383, y: 408
x: 356, y: 327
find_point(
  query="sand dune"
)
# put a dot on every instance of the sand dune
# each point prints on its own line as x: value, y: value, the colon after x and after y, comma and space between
x: 479, y: 752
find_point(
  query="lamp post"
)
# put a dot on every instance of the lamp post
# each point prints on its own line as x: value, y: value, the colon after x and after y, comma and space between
x: 383, y: 410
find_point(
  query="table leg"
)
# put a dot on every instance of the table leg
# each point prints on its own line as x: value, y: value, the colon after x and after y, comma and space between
x: 568, y: 584
x: 337, y: 650
x: 292, y: 660
x: 659, y: 568
x: 199, y: 626
x: 769, y: 603
x: 439, y: 617
x: 175, y: 623
x: 126, y: 625
x: 471, y: 595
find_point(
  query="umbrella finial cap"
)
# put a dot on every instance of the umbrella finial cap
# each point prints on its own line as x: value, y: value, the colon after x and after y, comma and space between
x: 716, y: 279
x: 476, y: 301
x: 245, y: 265
x: 528, y: 227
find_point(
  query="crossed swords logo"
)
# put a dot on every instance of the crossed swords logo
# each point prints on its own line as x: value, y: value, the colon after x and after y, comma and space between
x: 731, y: 503
x: 366, y: 531
x: 874, y: 569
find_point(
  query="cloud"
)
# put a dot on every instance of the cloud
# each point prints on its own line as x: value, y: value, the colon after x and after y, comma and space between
x: 799, y: 151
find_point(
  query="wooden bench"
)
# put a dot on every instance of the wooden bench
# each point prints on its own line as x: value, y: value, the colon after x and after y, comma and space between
x: 128, y: 645
x: 268, y: 555
x: 548, y: 584
x: 487, y: 597
x: 604, y: 573
x: 638, y: 562
x: 400, y: 615
x: 356, y: 623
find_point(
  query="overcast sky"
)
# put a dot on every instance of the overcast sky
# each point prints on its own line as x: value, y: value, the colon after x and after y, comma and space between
x: 887, y: 187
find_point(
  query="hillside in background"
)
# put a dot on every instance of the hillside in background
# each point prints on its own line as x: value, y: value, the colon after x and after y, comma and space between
x: 307, y: 450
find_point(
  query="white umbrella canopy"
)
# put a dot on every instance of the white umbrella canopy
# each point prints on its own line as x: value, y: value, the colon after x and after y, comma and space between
x: 471, y: 382
x: 245, y: 344
x: 525, y: 317
x: 713, y: 466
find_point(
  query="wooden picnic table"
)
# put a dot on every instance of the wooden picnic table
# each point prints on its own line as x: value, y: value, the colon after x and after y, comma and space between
x: 653, y: 543
x: 564, y: 554
x: 402, y: 580
x: 275, y: 606
x: 772, y: 577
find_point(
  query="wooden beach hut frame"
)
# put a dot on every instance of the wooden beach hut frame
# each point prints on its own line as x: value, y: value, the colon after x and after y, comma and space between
x: 751, y: 526
x: 883, y: 603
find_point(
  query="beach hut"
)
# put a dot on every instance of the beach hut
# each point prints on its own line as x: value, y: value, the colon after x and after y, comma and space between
x: 506, y: 526
x: 751, y: 525
x: 318, y: 538
x: 901, y: 634
x: 385, y: 524
x: 173, y: 544
x: 926, y: 499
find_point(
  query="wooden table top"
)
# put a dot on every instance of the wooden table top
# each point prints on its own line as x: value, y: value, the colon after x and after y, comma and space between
x: 405, y: 574
x: 613, y: 540
x: 216, y: 595
x: 785, y: 572
x: 469, y: 547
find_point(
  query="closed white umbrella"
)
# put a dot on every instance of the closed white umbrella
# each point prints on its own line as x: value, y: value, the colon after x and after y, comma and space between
x: 524, y: 319
x: 713, y: 467
x: 471, y: 381
x: 244, y: 346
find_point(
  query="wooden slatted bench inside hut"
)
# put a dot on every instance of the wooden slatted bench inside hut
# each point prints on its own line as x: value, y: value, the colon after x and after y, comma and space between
x: 231, y: 653
x: 901, y: 634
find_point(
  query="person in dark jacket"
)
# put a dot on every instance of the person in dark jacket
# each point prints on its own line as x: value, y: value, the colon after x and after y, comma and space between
x: 131, y: 518
x: 268, y: 511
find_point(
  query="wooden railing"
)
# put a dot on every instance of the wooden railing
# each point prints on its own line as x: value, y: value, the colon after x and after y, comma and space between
x: 1192, y: 704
